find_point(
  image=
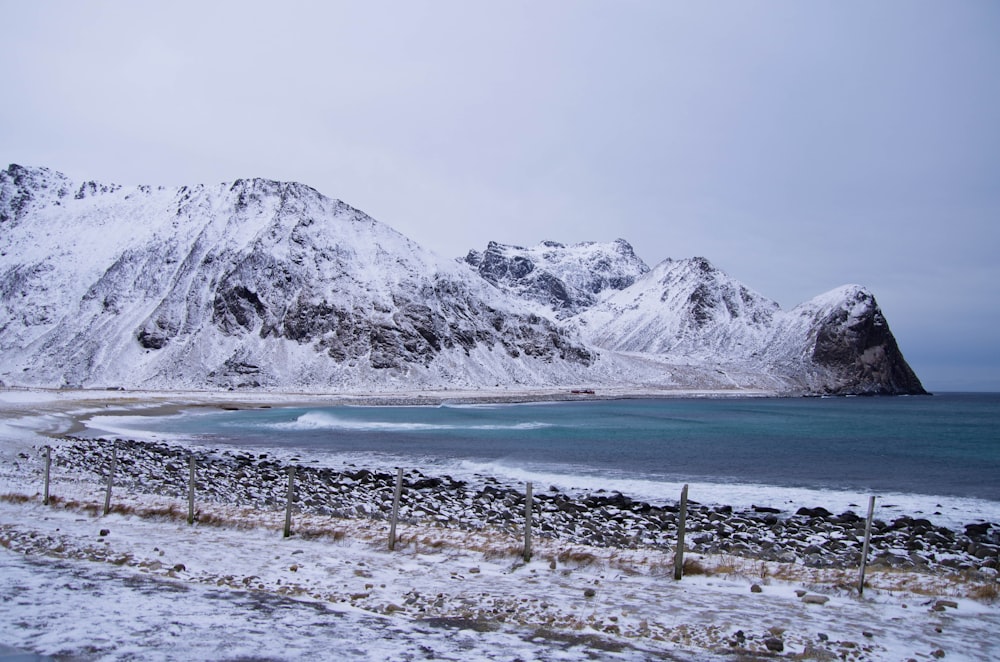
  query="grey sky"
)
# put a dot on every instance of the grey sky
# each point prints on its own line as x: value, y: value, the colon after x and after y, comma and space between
x: 797, y: 145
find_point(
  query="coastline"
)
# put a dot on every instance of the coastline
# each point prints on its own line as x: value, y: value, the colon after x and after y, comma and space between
x: 71, y: 408
x: 598, y: 586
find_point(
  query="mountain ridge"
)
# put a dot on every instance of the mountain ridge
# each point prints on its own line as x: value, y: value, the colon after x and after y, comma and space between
x: 271, y: 285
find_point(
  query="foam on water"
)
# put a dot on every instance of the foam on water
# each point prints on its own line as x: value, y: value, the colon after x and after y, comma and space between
x: 321, y: 420
x: 473, y: 443
x: 941, y: 510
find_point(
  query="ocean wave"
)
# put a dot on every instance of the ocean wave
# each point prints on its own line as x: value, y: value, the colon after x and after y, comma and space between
x: 318, y: 420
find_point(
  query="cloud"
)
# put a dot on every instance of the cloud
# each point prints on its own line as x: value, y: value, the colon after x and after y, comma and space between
x: 797, y: 146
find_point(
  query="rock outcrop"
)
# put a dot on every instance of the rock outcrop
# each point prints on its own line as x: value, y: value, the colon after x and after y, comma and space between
x: 264, y: 284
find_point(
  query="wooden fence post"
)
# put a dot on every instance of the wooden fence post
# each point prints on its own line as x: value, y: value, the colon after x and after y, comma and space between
x: 681, y: 524
x: 397, y: 493
x: 288, y: 506
x: 111, y: 478
x: 191, y: 472
x: 527, y: 523
x: 48, y: 468
x: 864, y: 548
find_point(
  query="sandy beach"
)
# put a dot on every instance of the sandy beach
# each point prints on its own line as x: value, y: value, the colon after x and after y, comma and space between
x: 599, y: 584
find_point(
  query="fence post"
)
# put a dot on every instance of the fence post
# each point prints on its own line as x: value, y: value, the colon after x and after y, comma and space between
x: 191, y: 463
x: 48, y: 467
x: 864, y: 548
x: 397, y: 493
x: 288, y: 506
x: 681, y: 524
x: 111, y: 478
x: 527, y: 523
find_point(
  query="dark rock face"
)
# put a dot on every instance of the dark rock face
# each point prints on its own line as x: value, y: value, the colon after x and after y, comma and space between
x: 858, y: 345
x: 566, y: 279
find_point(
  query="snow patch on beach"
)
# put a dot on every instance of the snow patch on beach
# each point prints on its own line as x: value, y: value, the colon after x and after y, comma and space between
x: 123, y: 586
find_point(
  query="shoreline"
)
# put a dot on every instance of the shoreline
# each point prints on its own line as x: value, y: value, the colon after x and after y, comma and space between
x: 599, y: 585
x: 38, y: 416
x: 72, y: 408
x: 811, y: 536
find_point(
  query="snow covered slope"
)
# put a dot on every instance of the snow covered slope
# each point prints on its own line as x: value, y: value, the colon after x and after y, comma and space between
x: 565, y: 279
x: 263, y: 284
x: 687, y: 311
x: 255, y: 283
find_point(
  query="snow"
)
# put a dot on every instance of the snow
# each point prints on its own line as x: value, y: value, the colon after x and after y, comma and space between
x: 161, y: 589
x: 142, y: 583
x: 91, y: 268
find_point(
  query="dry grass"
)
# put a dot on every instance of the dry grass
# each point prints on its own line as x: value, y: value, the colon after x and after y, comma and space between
x: 695, y: 567
x: 985, y: 592
x: 576, y: 557
x: 502, y: 552
x: 497, y: 545
x: 318, y: 532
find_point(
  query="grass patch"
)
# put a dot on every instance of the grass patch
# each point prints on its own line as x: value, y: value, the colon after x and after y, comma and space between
x: 985, y: 592
x: 318, y: 532
x: 577, y: 557
x: 694, y: 567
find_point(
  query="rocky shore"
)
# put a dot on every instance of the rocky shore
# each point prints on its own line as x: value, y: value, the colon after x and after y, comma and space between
x: 813, y: 537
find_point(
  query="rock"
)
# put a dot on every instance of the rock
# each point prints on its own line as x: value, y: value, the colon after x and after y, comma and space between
x: 589, y: 592
x: 819, y: 511
x: 813, y: 599
x: 104, y: 532
x: 774, y: 644
x: 755, y: 588
x: 976, y: 531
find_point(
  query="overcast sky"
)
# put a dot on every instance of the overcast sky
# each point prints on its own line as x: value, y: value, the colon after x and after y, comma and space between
x: 797, y: 145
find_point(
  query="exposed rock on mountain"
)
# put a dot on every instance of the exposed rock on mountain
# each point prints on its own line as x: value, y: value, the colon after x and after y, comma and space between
x: 565, y: 279
x: 254, y: 283
x: 682, y: 308
x: 687, y: 310
x: 263, y: 284
x: 850, y: 337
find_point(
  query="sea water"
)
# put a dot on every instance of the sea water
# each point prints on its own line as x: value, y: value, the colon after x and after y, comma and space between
x: 934, y: 456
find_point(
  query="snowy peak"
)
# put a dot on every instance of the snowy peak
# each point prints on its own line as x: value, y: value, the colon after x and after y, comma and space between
x: 851, y: 337
x: 264, y: 284
x: 685, y: 306
x: 24, y: 189
x: 703, y: 295
x: 254, y: 283
x: 564, y: 279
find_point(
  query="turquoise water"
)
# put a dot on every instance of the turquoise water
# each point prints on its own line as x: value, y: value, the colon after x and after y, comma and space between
x: 944, y: 445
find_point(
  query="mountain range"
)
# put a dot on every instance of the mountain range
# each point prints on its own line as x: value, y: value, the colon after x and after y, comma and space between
x: 258, y: 284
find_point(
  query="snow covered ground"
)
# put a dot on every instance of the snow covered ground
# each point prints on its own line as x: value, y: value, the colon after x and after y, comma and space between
x: 140, y: 583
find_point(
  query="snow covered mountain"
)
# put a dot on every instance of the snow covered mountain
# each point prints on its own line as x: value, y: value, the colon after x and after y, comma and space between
x: 565, y: 279
x: 263, y: 284
x: 689, y: 311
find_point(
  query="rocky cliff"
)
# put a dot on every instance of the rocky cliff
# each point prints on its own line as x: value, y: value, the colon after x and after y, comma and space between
x: 264, y: 284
